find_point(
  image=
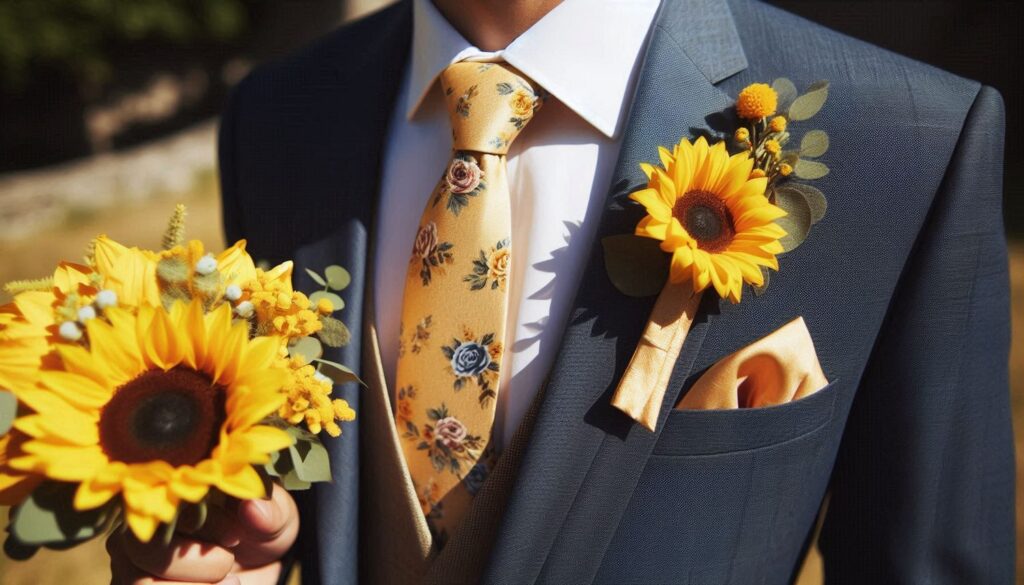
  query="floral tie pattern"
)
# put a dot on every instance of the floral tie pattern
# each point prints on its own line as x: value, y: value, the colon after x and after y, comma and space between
x: 456, y: 292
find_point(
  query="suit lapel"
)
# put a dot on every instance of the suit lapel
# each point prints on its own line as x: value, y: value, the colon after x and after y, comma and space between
x: 585, y: 457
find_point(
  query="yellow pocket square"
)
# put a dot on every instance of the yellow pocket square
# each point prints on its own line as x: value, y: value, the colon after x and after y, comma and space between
x: 778, y: 368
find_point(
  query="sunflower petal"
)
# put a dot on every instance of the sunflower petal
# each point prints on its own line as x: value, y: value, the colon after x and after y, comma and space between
x: 114, y: 349
x: 76, y: 389
x: 61, y: 462
x: 161, y: 345
x: 653, y: 203
x: 142, y: 525
x: 244, y: 484
x: 700, y: 270
x: 236, y: 265
x: 682, y: 259
x: 92, y: 494
x: 649, y: 227
x: 187, y: 488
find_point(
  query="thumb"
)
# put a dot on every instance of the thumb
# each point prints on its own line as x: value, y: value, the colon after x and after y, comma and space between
x: 262, y: 519
x: 268, y: 528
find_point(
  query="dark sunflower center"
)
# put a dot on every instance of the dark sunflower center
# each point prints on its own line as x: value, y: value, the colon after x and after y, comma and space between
x: 707, y: 219
x: 173, y: 416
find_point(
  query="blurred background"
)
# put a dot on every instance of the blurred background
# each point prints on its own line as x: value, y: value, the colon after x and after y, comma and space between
x: 108, y: 117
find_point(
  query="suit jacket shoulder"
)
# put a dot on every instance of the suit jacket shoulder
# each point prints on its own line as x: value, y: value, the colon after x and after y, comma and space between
x: 301, y: 136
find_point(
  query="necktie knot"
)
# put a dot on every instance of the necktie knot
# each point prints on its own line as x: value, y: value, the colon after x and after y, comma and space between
x: 489, y: 105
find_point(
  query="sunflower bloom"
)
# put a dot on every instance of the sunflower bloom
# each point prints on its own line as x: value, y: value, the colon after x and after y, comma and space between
x: 161, y: 407
x: 711, y: 216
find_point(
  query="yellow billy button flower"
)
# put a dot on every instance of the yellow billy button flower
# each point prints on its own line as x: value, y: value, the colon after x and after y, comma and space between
x: 756, y: 101
x: 160, y: 408
x: 757, y: 174
x: 778, y: 124
x: 324, y: 306
x: 772, y: 147
x: 785, y: 169
x: 712, y: 216
x: 742, y: 135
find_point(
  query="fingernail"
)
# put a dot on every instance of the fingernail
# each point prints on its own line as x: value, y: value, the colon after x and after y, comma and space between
x: 230, y: 538
x: 231, y: 580
x: 263, y: 511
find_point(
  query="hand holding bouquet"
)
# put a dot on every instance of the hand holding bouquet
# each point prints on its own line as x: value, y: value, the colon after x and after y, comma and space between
x: 146, y: 385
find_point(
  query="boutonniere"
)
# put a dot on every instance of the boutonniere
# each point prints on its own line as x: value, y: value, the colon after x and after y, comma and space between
x: 715, y: 221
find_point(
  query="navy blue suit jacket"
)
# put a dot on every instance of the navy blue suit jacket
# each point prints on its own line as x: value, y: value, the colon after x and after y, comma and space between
x: 903, y: 286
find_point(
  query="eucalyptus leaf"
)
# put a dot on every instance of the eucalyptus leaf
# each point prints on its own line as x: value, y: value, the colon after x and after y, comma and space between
x: 814, y: 143
x: 809, y: 103
x: 282, y: 467
x: 815, y: 199
x: 316, y: 277
x: 8, y: 410
x: 789, y: 157
x: 291, y: 482
x: 196, y: 519
x: 307, y: 347
x: 334, y: 333
x: 786, y: 92
x: 270, y: 467
x: 760, y: 290
x: 167, y: 533
x: 810, y: 169
x: 207, y: 284
x: 797, y: 221
x: 636, y: 266
x: 310, y: 459
x: 337, y: 277
x: 338, y: 373
x: 172, y: 270
x: 47, y: 517
x: 299, y: 434
x: 336, y: 301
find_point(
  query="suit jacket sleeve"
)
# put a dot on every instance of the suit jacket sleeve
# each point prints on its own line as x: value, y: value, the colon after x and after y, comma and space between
x: 226, y: 148
x: 923, y: 488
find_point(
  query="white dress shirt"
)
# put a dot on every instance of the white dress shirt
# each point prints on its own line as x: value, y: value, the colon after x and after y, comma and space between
x: 585, y: 54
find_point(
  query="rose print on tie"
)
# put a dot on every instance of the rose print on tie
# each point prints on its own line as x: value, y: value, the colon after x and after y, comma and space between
x: 465, y: 101
x: 490, y: 268
x: 473, y: 359
x: 446, y: 441
x: 431, y: 254
x: 464, y: 179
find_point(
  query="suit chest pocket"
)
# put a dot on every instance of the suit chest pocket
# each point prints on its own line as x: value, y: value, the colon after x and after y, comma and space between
x: 727, y: 496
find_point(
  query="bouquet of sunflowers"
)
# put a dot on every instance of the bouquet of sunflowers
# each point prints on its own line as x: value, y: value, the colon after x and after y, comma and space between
x: 142, y: 384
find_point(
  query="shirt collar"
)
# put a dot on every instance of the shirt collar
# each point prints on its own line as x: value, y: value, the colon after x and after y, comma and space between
x: 583, y: 52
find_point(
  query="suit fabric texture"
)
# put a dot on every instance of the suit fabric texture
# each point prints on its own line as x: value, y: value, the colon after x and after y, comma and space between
x: 903, y: 286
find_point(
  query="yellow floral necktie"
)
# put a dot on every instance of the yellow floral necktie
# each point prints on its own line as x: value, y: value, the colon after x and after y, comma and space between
x: 456, y: 296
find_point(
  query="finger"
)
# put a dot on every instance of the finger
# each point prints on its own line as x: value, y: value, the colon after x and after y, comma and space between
x: 184, y: 559
x: 268, y: 528
x: 221, y: 528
